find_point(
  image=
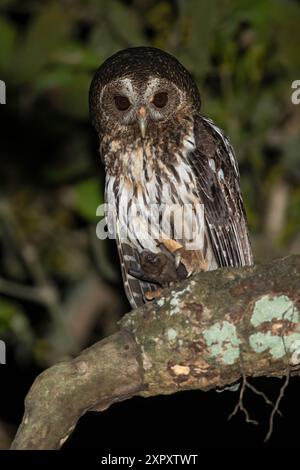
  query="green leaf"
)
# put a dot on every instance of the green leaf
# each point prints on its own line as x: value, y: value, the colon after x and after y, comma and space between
x: 7, y: 43
x: 72, y: 98
x: 126, y: 22
x: 200, y: 21
x: 102, y: 42
x: 76, y: 55
x: 88, y: 198
x: 54, y: 78
x: 48, y: 31
x: 7, y: 311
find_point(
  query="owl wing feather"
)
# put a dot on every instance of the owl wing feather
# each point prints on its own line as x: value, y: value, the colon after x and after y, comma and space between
x: 215, y: 167
x: 135, y: 289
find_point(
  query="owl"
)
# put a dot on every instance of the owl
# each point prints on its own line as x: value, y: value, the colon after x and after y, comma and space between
x: 172, y: 180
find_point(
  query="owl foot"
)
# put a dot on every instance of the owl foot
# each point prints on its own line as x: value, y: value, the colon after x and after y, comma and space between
x: 188, y: 262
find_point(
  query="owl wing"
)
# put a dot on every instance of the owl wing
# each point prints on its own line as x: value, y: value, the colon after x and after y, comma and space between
x: 215, y: 167
x: 135, y: 289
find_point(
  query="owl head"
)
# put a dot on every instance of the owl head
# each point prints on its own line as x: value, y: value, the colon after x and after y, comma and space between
x: 139, y: 88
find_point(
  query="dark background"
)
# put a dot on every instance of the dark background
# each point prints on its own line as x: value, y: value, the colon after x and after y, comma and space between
x: 60, y: 287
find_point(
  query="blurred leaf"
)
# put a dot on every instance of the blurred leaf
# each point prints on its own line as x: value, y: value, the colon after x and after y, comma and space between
x: 103, y: 42
x: 6, y: 3
x: 7, y: 311
x: 200, y: 21
x: 7, y: 42
x: 74, y: 54
x: 72, y: 98
x: 292, y: 157
x: 54, y: 78
x: 293, y: 216
x: 46, y: 33
x: 285, y: 18
x: 125, y: 23
x: 88, y: 198
x: 21, y: 327
x: 160, y: 21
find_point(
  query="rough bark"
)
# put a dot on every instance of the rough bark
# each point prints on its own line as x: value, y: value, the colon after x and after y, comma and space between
x: 208, y: 332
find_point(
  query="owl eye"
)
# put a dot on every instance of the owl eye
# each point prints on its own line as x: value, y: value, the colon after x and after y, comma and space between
x: 121, y: 102
x: 160, y: 99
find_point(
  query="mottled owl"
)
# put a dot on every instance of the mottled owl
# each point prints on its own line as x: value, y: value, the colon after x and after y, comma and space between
x: 172, y: 179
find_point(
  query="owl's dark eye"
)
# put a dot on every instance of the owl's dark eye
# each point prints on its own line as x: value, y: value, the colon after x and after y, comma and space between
x: 121, y: 102
x: 160, y: 99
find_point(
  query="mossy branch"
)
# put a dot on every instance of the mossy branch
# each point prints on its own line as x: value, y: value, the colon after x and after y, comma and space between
x: 208, y: 332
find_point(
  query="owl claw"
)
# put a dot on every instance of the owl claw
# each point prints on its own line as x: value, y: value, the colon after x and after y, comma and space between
x: 177, y: 260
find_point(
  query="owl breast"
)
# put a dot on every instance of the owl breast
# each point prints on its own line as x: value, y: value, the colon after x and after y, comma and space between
x: 152, y: 198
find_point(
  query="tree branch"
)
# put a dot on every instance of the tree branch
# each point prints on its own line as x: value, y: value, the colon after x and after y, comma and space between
x: 208, y: 332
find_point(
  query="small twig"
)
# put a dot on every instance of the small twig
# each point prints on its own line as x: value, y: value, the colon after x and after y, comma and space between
x: 33, y: 294
x: 276, y: 407
x: 282, y: 389
x: 240, y: 404
x: 263, y: 395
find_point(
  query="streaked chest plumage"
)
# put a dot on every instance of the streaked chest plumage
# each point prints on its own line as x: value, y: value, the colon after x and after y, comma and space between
x: 146, y: 188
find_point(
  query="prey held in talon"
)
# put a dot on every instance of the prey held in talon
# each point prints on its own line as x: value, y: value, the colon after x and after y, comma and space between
x: 172, y: 179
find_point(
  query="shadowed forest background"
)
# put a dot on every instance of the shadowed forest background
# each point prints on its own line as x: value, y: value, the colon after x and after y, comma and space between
x: 60, y: 287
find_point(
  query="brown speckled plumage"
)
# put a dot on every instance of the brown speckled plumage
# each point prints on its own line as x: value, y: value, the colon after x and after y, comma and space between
x: 182, y: 159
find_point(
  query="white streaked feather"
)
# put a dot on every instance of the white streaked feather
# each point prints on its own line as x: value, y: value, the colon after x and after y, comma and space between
x: 186, y: 199
x: 212, y: 164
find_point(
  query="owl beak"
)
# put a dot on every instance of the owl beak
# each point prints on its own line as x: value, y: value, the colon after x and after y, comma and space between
x: 142, y: 121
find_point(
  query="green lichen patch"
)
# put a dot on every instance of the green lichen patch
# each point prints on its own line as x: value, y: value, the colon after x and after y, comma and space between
x: 278, y: 346
x: 222, y: 340
x: 268, y: 308
x: 171, y: 334
x: 177, y: 298
x: 161, y: 302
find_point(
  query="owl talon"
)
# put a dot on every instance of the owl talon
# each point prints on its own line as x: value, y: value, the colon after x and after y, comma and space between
x: 177, y: 260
